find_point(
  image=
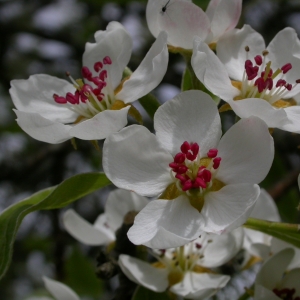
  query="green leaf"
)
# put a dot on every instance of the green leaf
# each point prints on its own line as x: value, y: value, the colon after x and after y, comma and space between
x: 284, y: 231
x: 51, y: 198
x: 142, y: 293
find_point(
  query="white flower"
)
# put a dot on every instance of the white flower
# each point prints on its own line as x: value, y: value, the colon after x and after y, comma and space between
x: 274, y: 283
x: 212, y: 183
x: 260, y: 245
x: 257, y: 243
x: 183, y: 20
x: 263, y: 79
x: 119, y: 202
x: 53, y: 110
x: 59, y: 290
x: 186, y: 271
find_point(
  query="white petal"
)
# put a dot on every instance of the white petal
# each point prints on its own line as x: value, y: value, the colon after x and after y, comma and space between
x: 149, y: 73
x: 231, y: 49
x: 274, y: 117
x: 221, y: 248
x: 59, y: 290
x: 177, y: 217
x: 278, y: 245
x: 265, y: 208
x: 119, y: 203
x: 116, y: 43
x: 183, y: 20
x: 116, y: 30
x: 229, y: 207
x: 102, y: 225
x: 262, y: 293
x: 101, y: 125
x: 247, y: 151
x: 83, y: 231
x: 144, y: 274
x: 43, y: 129
x: 191, y: 116
x: 199, y: 286
x: 225, y: 17
x: 272, y: 271
x: 293, y: 115
x: 35, y: 95
x: 134, y: 160
x: 260, y: 250
x: 211, y: 72
x: 285, y: 48
x: 291, y: 281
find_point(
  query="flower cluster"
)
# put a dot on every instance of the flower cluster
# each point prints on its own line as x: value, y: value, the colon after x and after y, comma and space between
x: 203, y: 184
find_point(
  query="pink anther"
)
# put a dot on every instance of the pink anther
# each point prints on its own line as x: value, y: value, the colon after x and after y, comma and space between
x: 258, y: 60
x: 107, y: 60
x: 98, y: 66
x: 286, y: 68
x: 212, y: 153
x: 59, y: 99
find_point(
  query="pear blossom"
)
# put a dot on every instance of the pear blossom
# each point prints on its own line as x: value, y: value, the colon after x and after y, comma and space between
x: 102, y: 232
x: 253, y: 79
x: 260, y: 246
x: 183, y: 20
x: 212, y: 183
x: 274, y: 283
x: 186, y: 271
x: 54, y: 110
x: 257, y: 243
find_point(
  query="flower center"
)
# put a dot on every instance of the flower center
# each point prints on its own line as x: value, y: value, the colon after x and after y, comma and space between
x: 183, y: 259
x: 286, y: 294
x: 92, y: 95
x: 192, y: 172
x: 261, y: 81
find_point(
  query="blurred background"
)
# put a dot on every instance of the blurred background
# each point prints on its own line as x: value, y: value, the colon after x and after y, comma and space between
x: 44, y: 36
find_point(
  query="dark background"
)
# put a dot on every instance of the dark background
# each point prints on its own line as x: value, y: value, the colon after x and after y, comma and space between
x: 49, y: 37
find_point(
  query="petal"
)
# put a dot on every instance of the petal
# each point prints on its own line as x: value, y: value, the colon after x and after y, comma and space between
x: 260, y: 250
x: 225, y: 16
x: 291, y: 281
x: 59, y: 290
x: 116, y: 43
x: 101, y: 125
x: 114, y: 31
x: 199, y: 286
x: 149, y: 73
x: 211, y: 72
x: 272, y: 271
x: 191, y: 116
x: 293, y: 115
x: 134, y: 160
x: 265, y: 208
x: 83, y: 231
x: 262, y: 293
x: 278, y: 245
x: 35, y: 95
x: 119, y: 203
x: 153, y: 11
x: 144, y: 274
x: 247, y: 151
x: 274, y: 117
x: 43, y: 129
x: 284, y: 48
x: 221, y: 248
x: 183, y: 20
x: 231, y: 50
x: 229, y: 207
x: 178, y: 219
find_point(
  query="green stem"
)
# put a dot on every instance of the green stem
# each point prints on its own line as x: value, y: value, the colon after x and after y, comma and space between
x: 261, y: 225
